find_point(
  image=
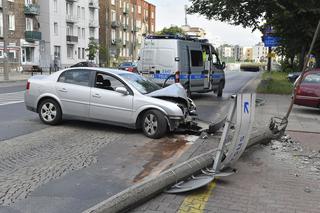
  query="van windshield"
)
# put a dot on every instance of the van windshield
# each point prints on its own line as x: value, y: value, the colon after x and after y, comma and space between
x: 140, y: 83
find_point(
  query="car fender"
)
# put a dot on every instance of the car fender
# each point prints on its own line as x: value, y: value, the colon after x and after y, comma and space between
x: 146, y: 107
x: 49, y: 95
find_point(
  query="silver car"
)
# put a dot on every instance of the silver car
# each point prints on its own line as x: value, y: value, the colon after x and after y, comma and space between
x: 109, y: 96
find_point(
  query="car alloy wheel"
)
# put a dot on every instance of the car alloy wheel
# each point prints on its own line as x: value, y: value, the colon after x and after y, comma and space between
x: 50, y: 112
x: 154, y: 124
x: 150, y: 124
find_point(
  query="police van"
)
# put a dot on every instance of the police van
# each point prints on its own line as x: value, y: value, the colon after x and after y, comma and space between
x: 191, y: 61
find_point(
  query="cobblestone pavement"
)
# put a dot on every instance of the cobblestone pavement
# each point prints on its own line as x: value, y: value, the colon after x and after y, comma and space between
x: 29, y: 161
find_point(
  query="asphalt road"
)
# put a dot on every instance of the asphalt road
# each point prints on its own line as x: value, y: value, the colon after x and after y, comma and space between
x: 73, y: 166
x: 16, y: 120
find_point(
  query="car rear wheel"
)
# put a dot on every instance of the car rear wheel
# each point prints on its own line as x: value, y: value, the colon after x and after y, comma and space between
x: 50, y: 112
x: 154, y: 124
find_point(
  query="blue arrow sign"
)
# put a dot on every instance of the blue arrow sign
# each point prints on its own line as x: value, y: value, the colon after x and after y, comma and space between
x: 246, y: 107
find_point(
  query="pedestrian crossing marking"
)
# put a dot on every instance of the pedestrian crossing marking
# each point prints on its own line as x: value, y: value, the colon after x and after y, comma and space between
x: 11, y: 98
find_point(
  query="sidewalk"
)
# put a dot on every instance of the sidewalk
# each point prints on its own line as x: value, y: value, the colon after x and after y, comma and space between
x: 18, y: 76
x: 283, y: 176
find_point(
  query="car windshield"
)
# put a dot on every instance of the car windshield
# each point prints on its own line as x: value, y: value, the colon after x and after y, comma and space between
x: 140, y: 83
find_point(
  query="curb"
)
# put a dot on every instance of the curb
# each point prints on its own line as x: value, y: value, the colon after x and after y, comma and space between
x: 150, y: 187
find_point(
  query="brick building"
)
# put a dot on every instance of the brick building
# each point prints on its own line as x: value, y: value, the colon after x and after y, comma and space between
x: 122, y: 26
x: 23, y: 44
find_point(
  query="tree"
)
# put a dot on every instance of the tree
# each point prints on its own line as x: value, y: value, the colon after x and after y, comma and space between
x: 92, y: 49
x: 174, y: 30
x: 294, y: 21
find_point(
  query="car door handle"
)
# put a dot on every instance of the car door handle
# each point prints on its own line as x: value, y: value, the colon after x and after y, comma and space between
x: 63, y: 90
x: 96, y: 96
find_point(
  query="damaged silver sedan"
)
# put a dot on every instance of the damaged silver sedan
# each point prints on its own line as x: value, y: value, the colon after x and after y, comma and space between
x: 109, y: 96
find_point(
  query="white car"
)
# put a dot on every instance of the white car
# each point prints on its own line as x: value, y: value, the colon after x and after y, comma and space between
x: 110, y: 96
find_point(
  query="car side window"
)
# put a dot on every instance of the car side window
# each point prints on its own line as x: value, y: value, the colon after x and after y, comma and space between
x: 215, y: 59
x: 108, y: 82
x: 77, y: 77
x: 312, y: 79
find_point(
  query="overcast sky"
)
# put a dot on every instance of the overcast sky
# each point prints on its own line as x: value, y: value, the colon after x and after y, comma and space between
x: 171, y: 12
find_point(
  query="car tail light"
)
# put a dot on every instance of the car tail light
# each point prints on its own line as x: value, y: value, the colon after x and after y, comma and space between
x: 130, y: 69
x: 177, y: 77
x: 28, y: 85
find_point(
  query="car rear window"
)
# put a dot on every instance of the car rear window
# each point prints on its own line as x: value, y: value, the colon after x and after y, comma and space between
x: 313, y: 78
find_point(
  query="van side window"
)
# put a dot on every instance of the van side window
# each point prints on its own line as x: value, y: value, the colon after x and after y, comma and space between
x: 196, y: 58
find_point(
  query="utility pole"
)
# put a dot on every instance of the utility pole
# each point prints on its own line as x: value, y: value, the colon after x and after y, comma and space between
x: 5, y: 40
x: 269, y: 59
x: 185, y: 14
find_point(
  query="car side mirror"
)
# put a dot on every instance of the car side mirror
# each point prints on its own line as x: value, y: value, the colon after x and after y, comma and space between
x: 122, y: 90
x: 223, y: 65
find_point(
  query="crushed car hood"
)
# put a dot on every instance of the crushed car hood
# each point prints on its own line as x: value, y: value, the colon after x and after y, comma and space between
x: 174, y: 90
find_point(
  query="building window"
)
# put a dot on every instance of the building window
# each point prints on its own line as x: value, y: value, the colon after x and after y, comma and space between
x: 57, y: 51
x: 152, y: 15
x: 113, y: 2
x: 83, y: 53
x: 79, y: 53
x: 92, y: 32
x: 27, y: 54
x: 79, y: 32
x: 12, y: 54
x: 69, y: 29
x: 55, y: 28
x: 83, y: 14
x: 55, y: 5
x: 83, y: 33
x: 152, y: 28
x: 139, y: 9
x: 1, y: 24
x: 12, y: 22
x: 113, y: 35
x: 78, y: 12
x: 69, y: 50
x: 113, y: 15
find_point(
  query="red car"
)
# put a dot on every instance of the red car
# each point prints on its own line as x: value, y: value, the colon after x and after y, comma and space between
x: 308, y: 93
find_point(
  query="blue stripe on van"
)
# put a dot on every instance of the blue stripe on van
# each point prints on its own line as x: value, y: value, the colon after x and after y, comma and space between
x: 185, y: 77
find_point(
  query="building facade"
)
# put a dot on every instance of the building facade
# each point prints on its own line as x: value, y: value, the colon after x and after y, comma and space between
x: 123, y: 23
x: 23, y: 35
x: 67, y: 27
x: 260, y: 53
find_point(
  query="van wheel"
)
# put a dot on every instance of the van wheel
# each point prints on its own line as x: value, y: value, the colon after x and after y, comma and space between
x: 50, y: 112
x: 154, y: 124
x: 220, y: 89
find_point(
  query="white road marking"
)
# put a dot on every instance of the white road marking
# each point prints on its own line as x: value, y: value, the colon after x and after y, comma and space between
x: 11, y: 98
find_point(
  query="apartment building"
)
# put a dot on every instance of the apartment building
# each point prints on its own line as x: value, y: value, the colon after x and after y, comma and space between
x: 67, y: 27
x: 123, y: 23
x: 260, y: 52
x: 23, y: 36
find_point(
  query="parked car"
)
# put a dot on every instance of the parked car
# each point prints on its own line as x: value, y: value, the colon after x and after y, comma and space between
x: 308, y: 93
x: 109, y: 96
x: 84, y: 64
x: 128, y: 66
x: 292, y: 77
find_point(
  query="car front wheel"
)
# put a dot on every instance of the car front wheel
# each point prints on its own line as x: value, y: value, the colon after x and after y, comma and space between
x: 154, y: 124
x: 50, y: 112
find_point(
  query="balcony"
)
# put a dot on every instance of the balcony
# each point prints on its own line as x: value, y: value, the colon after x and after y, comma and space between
x: 136, y: 29
x: 116, y: 41
x: 93, y: 4
x: 125, y: 26
x: 93, y: 23
x: 72, y: 39
x: 32, y: 36
x: 115, y: 24
x: 32, y: 9
x: 125, y: 11
x: 71, y: 18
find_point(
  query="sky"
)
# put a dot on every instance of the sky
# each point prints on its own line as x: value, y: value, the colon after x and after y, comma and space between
x: 171, y: 12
